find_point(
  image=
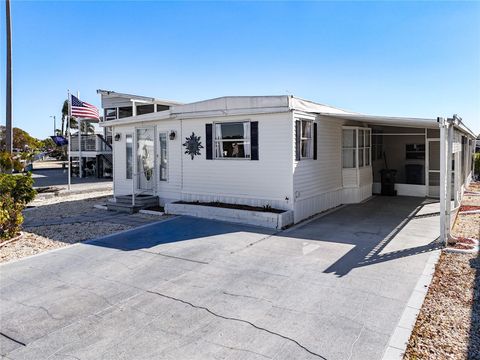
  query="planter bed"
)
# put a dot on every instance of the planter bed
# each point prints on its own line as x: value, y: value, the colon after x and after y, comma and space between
x: 244, y: 214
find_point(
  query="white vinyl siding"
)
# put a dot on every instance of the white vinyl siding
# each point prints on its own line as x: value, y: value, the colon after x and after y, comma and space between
x: 257, y: 183
x: 317, y: 185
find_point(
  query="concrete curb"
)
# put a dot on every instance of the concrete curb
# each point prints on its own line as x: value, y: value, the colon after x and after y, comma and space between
x: 399, y: 339
x: 151, y: 212
x: 66, y: 193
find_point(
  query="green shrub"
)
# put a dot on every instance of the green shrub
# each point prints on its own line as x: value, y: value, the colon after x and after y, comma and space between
x: 476, y: 159
x: 20, y: 187
x: 16, y: 191
x: 8, y: 162
x: 11, y: 218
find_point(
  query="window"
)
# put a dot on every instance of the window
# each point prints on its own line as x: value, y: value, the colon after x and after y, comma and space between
x: 145, y: 109
x: 124, y: 112
x: 163, y: 156
x: 162, y: 107
x: 364, y: 147
x: 232, y: 140
x: 129, y: 155
x: 415, y: 151
x: 356, y: 147
x: 306, y: 139
x: 110, y: 114
x: 349, y: 148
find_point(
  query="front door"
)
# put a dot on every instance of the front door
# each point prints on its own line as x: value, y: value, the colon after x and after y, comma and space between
x: 145, y: 159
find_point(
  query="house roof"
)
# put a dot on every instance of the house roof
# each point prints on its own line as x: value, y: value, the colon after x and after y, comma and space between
x: 108, y: 94
x: 249, y: 105
x: 232, y: 105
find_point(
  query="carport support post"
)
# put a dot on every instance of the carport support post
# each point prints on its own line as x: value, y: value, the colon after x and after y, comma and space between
x: 448, y: 200
x: 443, y: 180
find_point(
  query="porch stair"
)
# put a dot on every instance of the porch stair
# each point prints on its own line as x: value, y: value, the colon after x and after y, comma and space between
x: 124, y: 203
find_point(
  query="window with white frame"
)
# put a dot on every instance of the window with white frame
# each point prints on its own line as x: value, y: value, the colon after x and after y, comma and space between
x: 306, y: 139
x: 129, y: 155
x: 163, y: 156
x: 349, y: 150
x: 232, y: 140
x: 356, y: 147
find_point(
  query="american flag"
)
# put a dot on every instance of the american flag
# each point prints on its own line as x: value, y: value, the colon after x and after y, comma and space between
x: 81, y: 109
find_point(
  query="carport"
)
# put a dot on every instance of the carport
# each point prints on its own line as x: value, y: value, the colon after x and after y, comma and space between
x: 421, y: 152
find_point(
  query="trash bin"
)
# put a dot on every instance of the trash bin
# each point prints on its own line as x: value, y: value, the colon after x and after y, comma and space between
x: 388, y: 182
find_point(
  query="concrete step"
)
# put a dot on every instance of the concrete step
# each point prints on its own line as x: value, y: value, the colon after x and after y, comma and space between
x: 123, y: 208
x: 141, y: 200
x: 124, y: 203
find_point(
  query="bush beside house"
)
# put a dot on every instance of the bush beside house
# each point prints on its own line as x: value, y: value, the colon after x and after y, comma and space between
x: 16, y: 191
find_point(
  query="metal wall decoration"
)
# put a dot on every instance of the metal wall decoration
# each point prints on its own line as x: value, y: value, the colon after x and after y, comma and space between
x: 192, y: 145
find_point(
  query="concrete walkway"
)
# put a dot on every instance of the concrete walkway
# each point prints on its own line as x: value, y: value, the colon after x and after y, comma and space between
x: 186, y: 288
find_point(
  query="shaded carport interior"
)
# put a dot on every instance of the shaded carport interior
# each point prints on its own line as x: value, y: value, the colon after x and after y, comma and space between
x: 407, y: 145
x: 334, y: 286
x: 432, y: 157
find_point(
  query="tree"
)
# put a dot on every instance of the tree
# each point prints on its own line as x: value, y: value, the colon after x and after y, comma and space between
x: 21, y: 140
x: 64, y: 116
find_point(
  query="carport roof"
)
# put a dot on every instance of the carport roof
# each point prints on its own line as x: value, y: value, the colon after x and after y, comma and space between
x: 397, y: 121
x: 387, y: 120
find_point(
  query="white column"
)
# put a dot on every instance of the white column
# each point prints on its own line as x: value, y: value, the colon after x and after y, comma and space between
x: 80, y: 175
x: 443, y: 183
x: 448, y: 195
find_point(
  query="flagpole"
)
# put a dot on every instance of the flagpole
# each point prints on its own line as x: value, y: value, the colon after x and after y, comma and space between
x: 79, y: 123
x: 69, y: 141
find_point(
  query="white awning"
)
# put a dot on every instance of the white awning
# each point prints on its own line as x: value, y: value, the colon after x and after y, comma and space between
x: 387, y: 120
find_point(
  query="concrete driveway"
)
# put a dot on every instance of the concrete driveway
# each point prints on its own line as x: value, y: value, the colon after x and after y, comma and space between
x: 188, y: 288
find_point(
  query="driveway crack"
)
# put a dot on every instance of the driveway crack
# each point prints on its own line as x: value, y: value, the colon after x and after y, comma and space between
x: 239, y: 320
x: 12, y: 339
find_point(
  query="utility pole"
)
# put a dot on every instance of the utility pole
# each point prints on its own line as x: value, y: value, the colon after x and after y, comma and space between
x: 8, y: 102
x: 54, y: 125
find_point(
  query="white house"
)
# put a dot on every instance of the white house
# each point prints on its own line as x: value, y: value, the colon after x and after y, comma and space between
x: 284, y: 152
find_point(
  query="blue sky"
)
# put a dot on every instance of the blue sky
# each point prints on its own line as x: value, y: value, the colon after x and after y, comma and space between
x: 417, y: 59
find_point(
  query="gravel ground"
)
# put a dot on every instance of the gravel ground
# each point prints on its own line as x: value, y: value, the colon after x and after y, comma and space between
x: 468, y: 226
x: 448, y: 326
x: 39, y: 238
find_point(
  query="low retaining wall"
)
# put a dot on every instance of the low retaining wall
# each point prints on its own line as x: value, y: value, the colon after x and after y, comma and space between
x: 257, y: 218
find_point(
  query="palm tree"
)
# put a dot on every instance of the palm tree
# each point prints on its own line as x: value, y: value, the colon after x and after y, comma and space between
x: 73, y: 121
x: 64, y: 115
x: 87, y: 127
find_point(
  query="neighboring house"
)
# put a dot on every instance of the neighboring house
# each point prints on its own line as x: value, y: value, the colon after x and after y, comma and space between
x: 281, y: 151
x: 95, y: 154
x: 95, y: 151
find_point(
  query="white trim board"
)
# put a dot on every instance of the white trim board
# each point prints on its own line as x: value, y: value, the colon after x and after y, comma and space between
x: 403, y: 189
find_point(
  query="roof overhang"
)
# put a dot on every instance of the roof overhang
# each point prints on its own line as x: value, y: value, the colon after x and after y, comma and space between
x: 387, y: 120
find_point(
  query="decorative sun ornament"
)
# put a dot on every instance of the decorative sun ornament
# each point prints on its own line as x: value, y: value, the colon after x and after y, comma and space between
x: 192, y: 145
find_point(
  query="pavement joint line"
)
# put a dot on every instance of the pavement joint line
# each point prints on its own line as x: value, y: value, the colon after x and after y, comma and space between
x: 429, y: 267
x: 174, y: 257
x: 238, y: 320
